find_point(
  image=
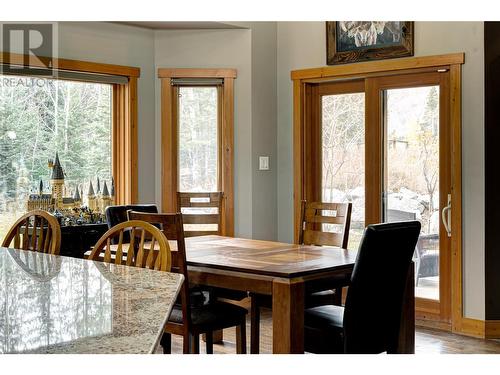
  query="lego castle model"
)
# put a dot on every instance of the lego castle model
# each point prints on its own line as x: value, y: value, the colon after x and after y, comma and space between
x: 56, y: 201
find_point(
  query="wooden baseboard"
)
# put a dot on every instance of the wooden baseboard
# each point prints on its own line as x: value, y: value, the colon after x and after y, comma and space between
x: 434, y: 324
x: 485, y: 329
x: 470, y: 327
x: 492, y: 329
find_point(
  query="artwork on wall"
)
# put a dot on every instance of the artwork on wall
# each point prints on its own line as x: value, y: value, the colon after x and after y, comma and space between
x: 353, y: 41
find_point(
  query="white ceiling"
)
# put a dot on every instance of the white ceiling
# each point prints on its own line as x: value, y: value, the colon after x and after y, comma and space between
x: 179, y: 25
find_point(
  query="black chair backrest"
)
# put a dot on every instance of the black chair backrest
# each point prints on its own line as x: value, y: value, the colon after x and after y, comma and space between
x: 118, y: 214
x: 374, y: 302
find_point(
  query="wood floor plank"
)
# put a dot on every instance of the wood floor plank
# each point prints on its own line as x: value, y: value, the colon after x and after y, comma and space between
x: 427, y: 341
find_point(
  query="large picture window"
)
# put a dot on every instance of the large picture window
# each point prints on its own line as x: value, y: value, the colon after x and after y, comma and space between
x: 57, y: 134
x: 42, y: 117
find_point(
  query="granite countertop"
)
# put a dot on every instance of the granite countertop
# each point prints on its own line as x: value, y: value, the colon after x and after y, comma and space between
x: 56, y: 304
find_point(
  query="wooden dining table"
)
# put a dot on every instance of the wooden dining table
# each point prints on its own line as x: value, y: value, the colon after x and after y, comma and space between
x: 286, y: 272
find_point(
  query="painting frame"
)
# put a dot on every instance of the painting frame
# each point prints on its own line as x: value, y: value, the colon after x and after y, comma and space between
x: 334, y: 55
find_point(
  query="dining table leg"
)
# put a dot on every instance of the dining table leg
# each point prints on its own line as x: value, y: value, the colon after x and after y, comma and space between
x: 288, y: 316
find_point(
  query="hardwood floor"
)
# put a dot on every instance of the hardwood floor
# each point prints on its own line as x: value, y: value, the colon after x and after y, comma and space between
x: 428, y: 341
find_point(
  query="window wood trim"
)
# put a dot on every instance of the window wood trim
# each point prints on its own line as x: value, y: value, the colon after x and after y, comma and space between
x: 385, y: 67
x: 196, y: 73
x: 124, y: 117
x: 74, y: 65
x: 169, y: 147
x: 303, y: 80
x: 124, y: 142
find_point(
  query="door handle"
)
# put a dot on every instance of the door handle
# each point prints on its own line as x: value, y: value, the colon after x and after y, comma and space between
x: 446, y: 216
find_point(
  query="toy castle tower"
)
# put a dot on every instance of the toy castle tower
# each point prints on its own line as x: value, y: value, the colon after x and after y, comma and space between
x: 77, y: 197
x: 57, y: 181
x: 106, y: 198
x: 92, y: 198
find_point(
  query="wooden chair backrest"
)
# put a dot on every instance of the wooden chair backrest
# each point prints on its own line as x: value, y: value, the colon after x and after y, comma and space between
x: 313, y: 216
x: 137, y: 254
x: 192, y: 205
x: 172, y: 227
x: 36, y: 230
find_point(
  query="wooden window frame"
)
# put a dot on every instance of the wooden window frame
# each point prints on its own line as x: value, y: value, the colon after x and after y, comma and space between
x: 124, y: 117
x: 303, y: 81
x: 169, y: 137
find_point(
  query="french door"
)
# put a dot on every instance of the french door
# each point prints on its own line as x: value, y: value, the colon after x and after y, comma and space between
x: 384, y: 144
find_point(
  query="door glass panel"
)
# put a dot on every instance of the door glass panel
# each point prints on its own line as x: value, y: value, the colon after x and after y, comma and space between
x: 343, y: 158
x: 412, y: 175
x: 198, y: 139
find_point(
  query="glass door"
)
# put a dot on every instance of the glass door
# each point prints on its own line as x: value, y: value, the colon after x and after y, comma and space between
x: 336, y: 146
x: 412, y: 175
x: 416, y: 178
x: 385, y: 143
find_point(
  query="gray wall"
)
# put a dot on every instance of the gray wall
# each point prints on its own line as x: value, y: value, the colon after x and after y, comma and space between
x: 302, y: 45
x: 252, y: 51
x: 221, y: 49
x: 264, y: 131
x: 122, y: 45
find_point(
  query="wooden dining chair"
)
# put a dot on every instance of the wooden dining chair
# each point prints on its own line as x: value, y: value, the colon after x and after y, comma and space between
x: 312, y: 232
x: 202, y: 216
x: 192, y: 320
x: 143, y: 238
x: 370, y: 322
x: 201, y: 213
x: 337, y: 218
x: 317, y: 214
x: 36, y: 230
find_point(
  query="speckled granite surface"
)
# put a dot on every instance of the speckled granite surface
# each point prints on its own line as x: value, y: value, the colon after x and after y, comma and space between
x: 52, y: 304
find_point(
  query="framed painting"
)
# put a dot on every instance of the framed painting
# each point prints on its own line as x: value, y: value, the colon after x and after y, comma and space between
x: 353, y: 41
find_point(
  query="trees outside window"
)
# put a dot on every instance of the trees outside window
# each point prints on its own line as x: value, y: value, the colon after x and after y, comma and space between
x: 39, y: 117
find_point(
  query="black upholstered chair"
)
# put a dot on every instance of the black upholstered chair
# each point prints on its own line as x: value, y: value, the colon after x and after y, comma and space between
x: 370, y: 320
x: 118, y: 214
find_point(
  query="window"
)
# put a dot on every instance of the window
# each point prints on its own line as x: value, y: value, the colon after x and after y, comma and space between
x: 197, y: 136
x: 88, y: 116
x: 42, y: 117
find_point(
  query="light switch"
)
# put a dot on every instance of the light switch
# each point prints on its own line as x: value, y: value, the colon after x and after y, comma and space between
x: 263, y: 163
